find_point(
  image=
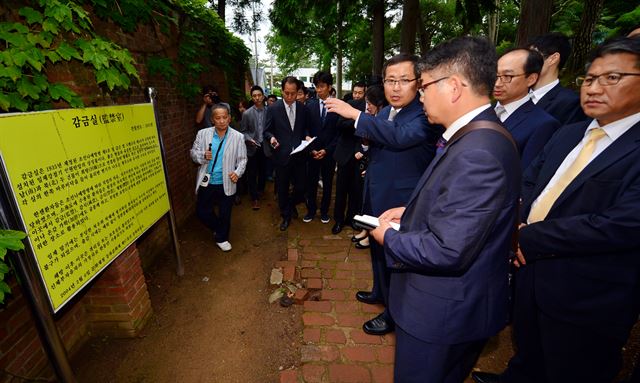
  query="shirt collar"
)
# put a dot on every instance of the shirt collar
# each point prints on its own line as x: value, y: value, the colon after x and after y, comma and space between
x: 617, y: 128
x: 512, y: 106
x: 462, y: 121
x: 536, y: 95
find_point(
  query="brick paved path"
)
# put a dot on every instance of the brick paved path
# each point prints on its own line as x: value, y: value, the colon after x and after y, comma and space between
x: 335, y: 349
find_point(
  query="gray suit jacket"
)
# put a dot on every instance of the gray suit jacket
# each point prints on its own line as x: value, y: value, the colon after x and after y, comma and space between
x: 251, y: 128
x: 234, y: 158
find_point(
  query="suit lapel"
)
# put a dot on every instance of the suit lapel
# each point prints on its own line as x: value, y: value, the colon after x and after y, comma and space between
x: 626, y: 143
x: 518, y: 117
x: 486, y: 115
x: 549, y: 97
x: 553, y: 162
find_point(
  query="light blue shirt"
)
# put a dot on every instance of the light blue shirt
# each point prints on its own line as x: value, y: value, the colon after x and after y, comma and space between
x: 216, y: 173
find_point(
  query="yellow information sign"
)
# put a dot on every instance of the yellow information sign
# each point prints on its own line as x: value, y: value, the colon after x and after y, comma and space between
x: 87, y: 182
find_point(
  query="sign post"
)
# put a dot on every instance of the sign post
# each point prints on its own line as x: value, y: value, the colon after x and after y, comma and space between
x: 33, y: 290
x: 151, y: 92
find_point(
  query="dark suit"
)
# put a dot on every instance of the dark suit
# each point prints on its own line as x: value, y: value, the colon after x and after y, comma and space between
x: 531, y: 128
x: 288, y: 167
x: 400, y: 151
x: 579, y: 293
x: 348, y: 180
x: 452, y: 253
x: 563, y: 104
x: 326, y: 137
x: 253, y: 130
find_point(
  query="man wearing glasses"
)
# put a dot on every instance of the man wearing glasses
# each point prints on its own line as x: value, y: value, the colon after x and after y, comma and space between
x: 579, y: 242
x: 530, y: 126
x: 402, y: 145
x: 450, y: 293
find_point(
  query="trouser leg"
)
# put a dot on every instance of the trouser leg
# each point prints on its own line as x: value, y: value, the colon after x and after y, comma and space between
x: 204, y: 207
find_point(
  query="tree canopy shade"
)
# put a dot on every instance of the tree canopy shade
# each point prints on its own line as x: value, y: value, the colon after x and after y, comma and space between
x: 365, y: 32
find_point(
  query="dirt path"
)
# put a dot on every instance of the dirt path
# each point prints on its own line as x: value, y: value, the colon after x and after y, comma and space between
x: 215, y: 323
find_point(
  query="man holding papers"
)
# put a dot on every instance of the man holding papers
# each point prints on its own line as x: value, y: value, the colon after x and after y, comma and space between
x: 452, y: 251
x: 285, y: 128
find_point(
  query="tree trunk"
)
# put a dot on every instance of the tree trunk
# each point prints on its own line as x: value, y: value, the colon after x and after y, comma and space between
x: 584, y: 35
x: 410, y: 13
x: 378, y: 36
x: 494, y: 22
x: 424, y: 37
x: 535, y: 18
x: 222, y: 5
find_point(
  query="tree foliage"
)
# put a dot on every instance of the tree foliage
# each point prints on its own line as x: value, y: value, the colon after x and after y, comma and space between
x: 9, y: 240
x: 52, y: 31
x: 298, y: 35
x: 48, y: 32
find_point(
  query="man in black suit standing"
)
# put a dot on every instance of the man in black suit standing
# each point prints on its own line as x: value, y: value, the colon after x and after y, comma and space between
x: 577, y: 294
x: 348, y: 177
x: 562, y: 103
x: 322, y: 125
x: 285, y: 128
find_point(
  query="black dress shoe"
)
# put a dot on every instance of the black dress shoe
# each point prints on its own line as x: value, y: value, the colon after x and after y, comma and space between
x: 285, y: 224
x: 367, y: 297
x: 361, y: 246
x: 337, y: 228
x: 485, y: 377
x: 377, y: 326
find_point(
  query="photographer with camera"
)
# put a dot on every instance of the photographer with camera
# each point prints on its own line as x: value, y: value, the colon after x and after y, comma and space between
x: 210, y: 98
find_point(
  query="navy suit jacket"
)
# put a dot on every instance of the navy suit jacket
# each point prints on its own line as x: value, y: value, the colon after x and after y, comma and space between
x: 452, y: 250
x: 585, y: 256
x: 399, y: 151
x: 563, y: 104
x: 348, y: 143
x: 277, y: 125
x: 531, y: 128
x: 325, y: 132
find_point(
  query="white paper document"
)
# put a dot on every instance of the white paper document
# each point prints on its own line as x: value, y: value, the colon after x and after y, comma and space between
x: 303, y: 145
x: 370, y: 222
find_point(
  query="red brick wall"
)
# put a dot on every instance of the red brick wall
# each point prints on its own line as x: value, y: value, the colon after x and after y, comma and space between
x: 117, y: 303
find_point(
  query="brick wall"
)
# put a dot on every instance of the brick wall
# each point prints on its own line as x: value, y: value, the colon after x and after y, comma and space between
x: 117, y: 302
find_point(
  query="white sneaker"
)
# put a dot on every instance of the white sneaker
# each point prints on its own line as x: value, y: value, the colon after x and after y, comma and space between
x: 224, y: 246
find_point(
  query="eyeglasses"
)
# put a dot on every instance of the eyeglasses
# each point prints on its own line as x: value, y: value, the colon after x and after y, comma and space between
x: 423, y: 88
x: 605, y: 79
x: 403, y: 82
x: 506, y: 78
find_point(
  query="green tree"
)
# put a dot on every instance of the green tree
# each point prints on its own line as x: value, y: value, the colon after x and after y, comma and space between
x: 312, y: 29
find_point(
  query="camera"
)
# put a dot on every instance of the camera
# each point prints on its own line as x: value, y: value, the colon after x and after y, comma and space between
x: 214, y: 97
x: 205, y: 180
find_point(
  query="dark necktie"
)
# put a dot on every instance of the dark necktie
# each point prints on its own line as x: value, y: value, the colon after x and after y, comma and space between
x: 440, y: 145
x: 323, y: 114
